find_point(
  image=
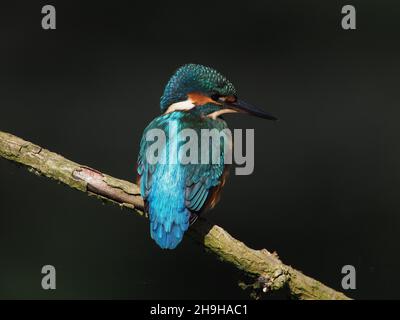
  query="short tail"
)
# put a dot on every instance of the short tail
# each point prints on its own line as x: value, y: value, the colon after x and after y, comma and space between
x: 167, y: 231
x: 169, y: 217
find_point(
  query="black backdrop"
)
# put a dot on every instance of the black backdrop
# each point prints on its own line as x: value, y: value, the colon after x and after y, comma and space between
x: 325, y: 188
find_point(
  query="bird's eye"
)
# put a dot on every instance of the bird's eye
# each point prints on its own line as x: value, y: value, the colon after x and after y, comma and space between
x: 229, y: 99
x: 215, y: 96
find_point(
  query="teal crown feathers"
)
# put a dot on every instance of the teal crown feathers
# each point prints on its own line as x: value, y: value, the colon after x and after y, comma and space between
x: 195, y: 78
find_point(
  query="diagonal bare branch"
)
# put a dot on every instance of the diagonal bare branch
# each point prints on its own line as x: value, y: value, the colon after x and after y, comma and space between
x: 266, y: 268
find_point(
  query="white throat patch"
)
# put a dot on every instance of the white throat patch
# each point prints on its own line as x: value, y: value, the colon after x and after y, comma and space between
x: 181, y: 106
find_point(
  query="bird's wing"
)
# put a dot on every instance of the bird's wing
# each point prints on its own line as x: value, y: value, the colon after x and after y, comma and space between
x: 146, y: 168
x: 203, y: 181
x: 176, y: 193
x: 202, y: 185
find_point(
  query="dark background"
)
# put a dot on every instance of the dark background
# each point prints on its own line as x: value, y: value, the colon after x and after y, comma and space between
x: 325, y: 188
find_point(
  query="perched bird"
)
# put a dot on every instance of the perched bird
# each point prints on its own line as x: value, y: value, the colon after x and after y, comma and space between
x: 175, y: 194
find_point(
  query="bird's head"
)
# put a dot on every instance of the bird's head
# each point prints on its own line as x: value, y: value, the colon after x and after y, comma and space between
x: 203, y: 90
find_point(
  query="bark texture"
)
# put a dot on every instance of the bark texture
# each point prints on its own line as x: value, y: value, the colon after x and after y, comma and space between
x: 267, y: 270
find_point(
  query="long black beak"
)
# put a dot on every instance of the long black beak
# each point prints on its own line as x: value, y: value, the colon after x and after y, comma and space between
x: 244, y: 107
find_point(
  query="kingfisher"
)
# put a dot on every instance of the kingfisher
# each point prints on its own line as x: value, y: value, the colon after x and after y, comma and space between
x: 176, y: 193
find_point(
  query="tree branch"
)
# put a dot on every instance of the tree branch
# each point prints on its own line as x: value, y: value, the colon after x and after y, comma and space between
x: 269, y: 272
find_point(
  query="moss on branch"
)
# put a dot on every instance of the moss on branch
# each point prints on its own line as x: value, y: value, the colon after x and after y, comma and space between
x: 267, y: 270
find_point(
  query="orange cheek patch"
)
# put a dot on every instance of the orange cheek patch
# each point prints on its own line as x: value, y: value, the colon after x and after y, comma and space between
x: 199, y: 99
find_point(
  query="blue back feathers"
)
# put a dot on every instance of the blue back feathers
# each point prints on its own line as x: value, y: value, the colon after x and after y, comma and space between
x: 174, y: 191
x: 169, y: 218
